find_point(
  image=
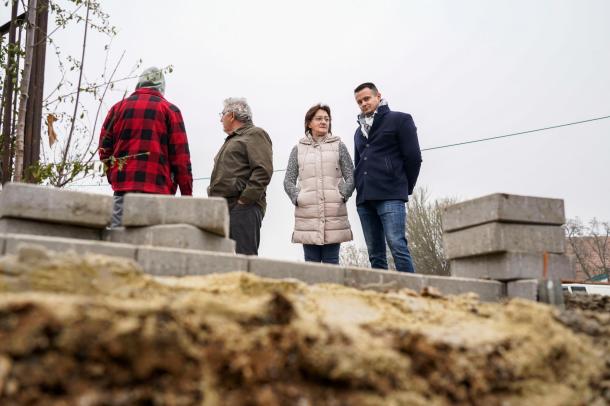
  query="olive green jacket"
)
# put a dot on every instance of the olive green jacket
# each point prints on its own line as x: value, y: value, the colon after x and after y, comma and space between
x: 243, y: 167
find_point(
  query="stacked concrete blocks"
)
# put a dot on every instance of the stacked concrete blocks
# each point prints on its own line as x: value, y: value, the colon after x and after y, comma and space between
x: 153, y: 260
x: 40, y: 210
x: 174, y: 222
x: 161, y: 261
x: 504, y: 237
x: 183, y: 236
x: 179, y: 236
x: 209, y: 214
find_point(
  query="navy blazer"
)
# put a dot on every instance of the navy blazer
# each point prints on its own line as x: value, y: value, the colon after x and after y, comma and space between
x: 388, y: 161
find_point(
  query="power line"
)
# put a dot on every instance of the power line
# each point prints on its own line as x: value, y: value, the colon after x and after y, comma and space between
x: 514, y: 134
x: 464, y: 142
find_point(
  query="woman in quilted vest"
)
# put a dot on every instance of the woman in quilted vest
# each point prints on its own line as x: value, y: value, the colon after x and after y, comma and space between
x: 319, y: 180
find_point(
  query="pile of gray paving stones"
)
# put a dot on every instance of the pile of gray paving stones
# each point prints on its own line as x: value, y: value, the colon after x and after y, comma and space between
x: 156, y: 227
x: 167, y: 221
x: 504, y: 238
x: 182, y: 236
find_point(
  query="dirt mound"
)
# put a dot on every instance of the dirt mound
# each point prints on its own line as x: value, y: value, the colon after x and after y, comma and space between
x: 93, y: 330
x: 599, y: 303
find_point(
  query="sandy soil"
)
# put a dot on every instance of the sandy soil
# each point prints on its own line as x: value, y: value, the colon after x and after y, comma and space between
x: 94, y: 330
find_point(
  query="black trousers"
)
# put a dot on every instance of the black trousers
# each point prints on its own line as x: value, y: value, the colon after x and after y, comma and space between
x: 245, y: 227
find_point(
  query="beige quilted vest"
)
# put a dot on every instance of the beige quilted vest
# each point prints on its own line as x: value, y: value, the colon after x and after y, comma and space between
x: 320, y: 215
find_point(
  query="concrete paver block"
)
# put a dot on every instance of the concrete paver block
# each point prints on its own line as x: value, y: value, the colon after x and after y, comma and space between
x: 307, y: 272
x: 180, y: 262
x: 182, y: 236
x: 13, y: 241
x: 488, y: 291
x: 381, y: 280
x: 54, y: 205
x: 504, y: 208
x: 209, y: 214
x: 21, y: 226
x: 513, y: 265
x: 502, y: 237
x: 525, y: 289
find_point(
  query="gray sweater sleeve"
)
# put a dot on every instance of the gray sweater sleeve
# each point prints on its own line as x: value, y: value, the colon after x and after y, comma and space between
x: 346, y: 188
x: 290, y: 178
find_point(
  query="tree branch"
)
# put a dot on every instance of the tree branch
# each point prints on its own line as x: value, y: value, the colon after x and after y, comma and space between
x: 80, y: 78
x: 99, y: 107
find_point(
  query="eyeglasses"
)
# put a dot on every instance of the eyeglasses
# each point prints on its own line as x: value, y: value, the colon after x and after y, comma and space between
x: 322, y: 118
x: 222, y: 113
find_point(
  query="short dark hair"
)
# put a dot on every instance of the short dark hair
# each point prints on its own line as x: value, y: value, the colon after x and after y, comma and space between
x: 367, y: 85
x: 312, y: 112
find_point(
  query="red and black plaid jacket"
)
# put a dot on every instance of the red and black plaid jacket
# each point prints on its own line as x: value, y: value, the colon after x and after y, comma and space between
x: 144, y: 146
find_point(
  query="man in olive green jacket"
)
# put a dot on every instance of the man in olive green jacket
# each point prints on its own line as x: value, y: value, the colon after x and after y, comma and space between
x: 242, y: 171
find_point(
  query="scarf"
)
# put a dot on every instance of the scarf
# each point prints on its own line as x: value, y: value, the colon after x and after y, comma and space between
x: 366, y: 122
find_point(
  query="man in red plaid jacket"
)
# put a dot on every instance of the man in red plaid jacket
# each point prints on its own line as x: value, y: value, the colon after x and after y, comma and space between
x: 143, y: 144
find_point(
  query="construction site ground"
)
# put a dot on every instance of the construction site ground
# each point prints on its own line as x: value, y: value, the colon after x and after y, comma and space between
x: 94, y: 330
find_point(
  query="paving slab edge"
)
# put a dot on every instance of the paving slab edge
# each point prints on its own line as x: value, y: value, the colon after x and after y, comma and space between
x: 341, y: 274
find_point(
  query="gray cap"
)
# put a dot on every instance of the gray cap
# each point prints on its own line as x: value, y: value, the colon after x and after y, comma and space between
x: 152, y: 78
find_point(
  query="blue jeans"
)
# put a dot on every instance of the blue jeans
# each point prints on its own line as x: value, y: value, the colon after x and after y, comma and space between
x: 328, y: 253
x: 385, y: 220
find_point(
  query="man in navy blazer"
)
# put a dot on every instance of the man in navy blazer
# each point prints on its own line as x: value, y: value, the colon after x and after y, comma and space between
x: 387, y: 159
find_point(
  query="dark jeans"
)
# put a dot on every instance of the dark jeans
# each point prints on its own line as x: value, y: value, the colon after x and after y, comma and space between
x: 328, y: 253
x: 385, y: 220
x: 245, y: 227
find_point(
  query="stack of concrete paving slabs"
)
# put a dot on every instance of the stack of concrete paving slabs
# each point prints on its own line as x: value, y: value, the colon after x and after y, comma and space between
x: 49, y: 211
x: 174, y: 222
x: 504, y: 237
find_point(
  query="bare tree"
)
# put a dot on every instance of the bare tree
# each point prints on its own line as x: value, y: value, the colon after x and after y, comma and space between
x: 70, y: 154
x: 78, y: 92
x: 351, y: 255
x: 24, y: 91
x: 425, y: 233
x: 589, y: 244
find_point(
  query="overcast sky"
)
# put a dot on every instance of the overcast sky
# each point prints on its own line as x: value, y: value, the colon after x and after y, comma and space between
x: 463, y: 69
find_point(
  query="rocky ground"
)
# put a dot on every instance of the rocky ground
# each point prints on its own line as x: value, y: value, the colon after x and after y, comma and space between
x: 94, y: 330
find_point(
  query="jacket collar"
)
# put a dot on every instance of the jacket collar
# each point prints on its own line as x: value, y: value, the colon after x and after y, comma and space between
x: 382, y: 109
x: 308, y: 139
x: 240, y: 130
x: 148, y: 90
